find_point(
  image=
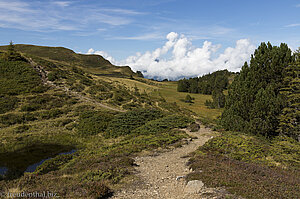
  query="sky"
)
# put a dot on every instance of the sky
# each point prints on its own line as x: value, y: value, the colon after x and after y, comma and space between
x: 162, y: 38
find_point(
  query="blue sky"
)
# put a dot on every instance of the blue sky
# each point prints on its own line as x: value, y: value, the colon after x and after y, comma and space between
x: 120, y: 29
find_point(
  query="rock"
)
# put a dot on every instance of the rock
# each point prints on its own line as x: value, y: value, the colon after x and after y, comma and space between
x: 194, y: 186
x: 179, y: 177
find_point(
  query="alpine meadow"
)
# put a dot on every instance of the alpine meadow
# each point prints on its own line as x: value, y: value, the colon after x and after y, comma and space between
x: 179, y: 121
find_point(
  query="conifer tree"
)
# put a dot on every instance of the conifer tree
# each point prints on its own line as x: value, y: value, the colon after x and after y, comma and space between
x: 218, y: 98
x: 254, y: 101
x: 290, y: 117
x: 12, y: 55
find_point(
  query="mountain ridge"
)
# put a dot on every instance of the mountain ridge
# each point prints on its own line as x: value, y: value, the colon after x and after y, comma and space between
x: 95, y: 64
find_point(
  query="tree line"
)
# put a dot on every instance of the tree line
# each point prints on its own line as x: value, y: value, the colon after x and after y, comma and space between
x: 210, y: 84
x: 205, y: 84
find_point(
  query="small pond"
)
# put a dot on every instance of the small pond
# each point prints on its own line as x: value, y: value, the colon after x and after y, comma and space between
x: 14, y: 164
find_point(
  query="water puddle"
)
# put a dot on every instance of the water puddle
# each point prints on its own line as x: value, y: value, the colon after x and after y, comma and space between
x: 14, y: 164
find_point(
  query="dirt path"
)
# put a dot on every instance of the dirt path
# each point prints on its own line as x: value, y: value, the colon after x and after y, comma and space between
x: 158, y: 175
x: 44, y: 77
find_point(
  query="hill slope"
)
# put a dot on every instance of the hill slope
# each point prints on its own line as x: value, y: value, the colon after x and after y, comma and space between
x: 93, y: 63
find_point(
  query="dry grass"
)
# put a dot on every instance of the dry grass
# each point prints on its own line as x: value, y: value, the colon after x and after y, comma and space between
x: 248, y: 180
x: 168, y: 90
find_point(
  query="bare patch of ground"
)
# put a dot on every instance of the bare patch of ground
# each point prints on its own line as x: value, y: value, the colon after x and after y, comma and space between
x: 163, y: 175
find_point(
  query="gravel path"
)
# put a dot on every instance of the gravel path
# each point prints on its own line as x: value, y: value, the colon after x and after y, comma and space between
x: 162, y: 176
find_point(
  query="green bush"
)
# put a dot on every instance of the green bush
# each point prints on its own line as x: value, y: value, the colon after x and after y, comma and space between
x: 282, y: 151
x: 77, y: 87
x: 47, y: 101
x: 17, y: 77
x: 238, y: 147
x: 163, y: 124
x: 86, y: 81
x: 104, y: 96
x: 113, y: 174
x: 21, y: 129
x: 53, y: 164
x: 48, y: 114
x: 8, y: 103
x: 124, y: 123
x: 11, y: 119
x: 30, y: 107
x: 136, y: 143
x: 93, y: 122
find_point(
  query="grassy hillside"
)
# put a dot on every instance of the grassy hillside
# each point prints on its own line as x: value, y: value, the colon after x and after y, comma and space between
x: 58, y: 101
x: 168, y: 91
x: 49, y: 105
x: 91, y: 63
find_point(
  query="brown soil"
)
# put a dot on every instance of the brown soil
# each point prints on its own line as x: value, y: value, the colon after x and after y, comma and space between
x: 163, y: 176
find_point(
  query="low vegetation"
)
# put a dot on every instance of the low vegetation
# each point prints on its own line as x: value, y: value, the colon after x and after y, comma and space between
x: 68, y: 111
x: 260, y: 159
x: 249, y: 166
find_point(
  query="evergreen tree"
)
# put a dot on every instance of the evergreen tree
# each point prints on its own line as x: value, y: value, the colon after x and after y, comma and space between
x: 290, y: 117
x: 183, y: 85
x: 218, y: 98
x: 12, y: 55
x: 205, y: 84
x: 254, y: 100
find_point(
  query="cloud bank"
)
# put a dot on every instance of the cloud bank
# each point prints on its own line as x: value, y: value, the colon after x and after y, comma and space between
x: 178, y: 58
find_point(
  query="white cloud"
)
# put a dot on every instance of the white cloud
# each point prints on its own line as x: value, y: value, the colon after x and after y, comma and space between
x: 122, y: 11
x: 298, y: 5
x: 103, y: 54
x: 15, y: 6
x: 186, y: 60
x: 293, y: 25
x: 62, y: 3
x: 43, y: 16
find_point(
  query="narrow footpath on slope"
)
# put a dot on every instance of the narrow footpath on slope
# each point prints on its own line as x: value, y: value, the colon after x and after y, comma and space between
x: 163, y: 176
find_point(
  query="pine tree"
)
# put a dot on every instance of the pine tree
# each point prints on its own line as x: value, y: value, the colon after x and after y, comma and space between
x: 248, y: 106
x: 11, y: 54
x: 290, y: 117
x: 218, y: 98
x: 183, y: 85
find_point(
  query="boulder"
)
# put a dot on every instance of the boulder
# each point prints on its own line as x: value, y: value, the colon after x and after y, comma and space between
x: 194, y: 186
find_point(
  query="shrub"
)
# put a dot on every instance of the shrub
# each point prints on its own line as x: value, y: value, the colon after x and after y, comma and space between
x: 53, y: 164
x: 188, y: 99
x: 124, y: 123
x: 98, y: 190
x: 194, y: 127
x: 21, y: 129
x: 8, y: 103
x: 93, y: 122
x: 64, y: 122
x: 54, y: 113
x: 17, y: 77
x: 163, y: 124
x: 248, y: 180
x: 11, y: 119
x: 86, y: 81
x: 30, y: 107
x: 46, y: 101
x: 77, y: 87
x: 104, y: 96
